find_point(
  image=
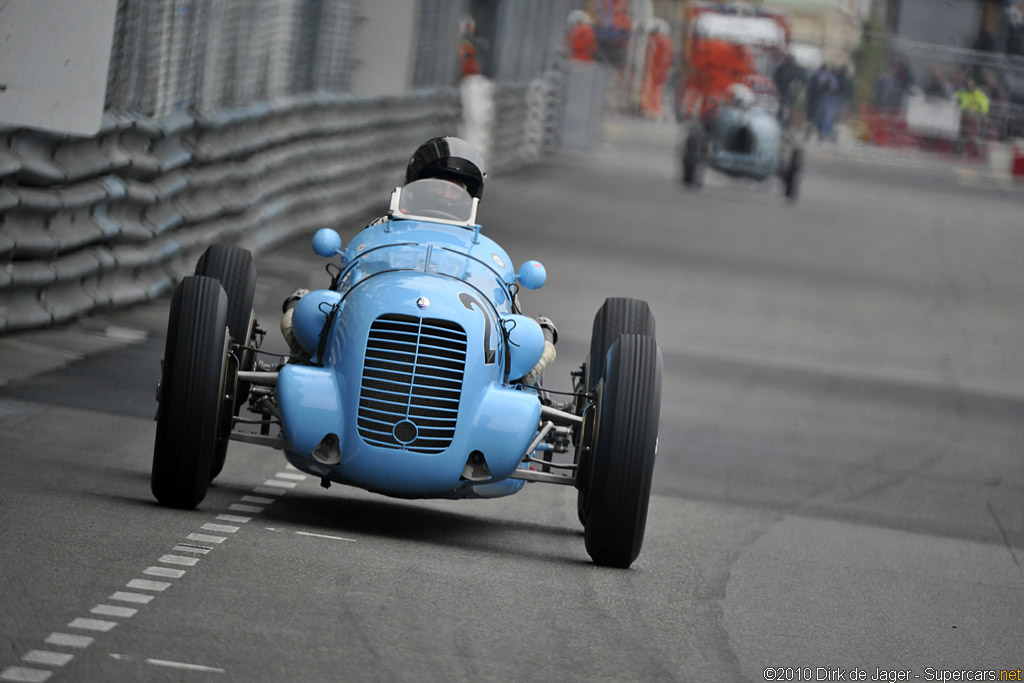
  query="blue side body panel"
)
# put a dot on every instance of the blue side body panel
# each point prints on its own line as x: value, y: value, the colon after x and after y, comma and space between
x: 414, y: 376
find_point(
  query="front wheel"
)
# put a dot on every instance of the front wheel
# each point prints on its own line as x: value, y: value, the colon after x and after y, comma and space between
x: 791, y: 176
x: 619, y: 486
x: 190, y: 417
x: 691, y: 159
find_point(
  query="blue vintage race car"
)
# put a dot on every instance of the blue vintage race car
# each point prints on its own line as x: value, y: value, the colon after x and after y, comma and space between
x: 741, y: 139
x: 414, y: 374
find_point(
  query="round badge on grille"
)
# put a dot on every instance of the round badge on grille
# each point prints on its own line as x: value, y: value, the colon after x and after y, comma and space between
x: 423, y: 303
x: 405, y: 431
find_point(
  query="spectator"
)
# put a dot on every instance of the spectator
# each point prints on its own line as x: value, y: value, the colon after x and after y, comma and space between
x: 658, y: 63
x: 972, y: 98
x: 938, y: 85
x: 581, y: 39
x: 469, y: 64
x: 814, y: 84
x: 827, y: 88
x: 785, y: 74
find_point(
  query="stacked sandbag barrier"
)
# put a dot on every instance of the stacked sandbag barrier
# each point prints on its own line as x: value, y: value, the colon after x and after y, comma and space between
x: 119, y: 217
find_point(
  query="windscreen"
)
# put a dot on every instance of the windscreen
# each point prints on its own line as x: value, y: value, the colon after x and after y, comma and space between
x: 433, y: 198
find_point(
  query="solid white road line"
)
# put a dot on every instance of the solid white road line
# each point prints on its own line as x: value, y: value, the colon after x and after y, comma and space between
x: 147, y: 585
x: 333, y: 538
x: 206, y: 538
x: 222, y: 528
x: 68, y: 640
x: 92, y: 624
x: 164, y: 571
x: 48, y: 658
x: 237, y: 519
x: 23, y: 674
x: 183, y: 665
x: 179, y: 559
x: 257, y: 499
x: 113, y: 611
x: 251, y: 509
x: 137, y: 598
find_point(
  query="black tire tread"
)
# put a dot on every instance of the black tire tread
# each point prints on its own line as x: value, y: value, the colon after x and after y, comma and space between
x: 617, y: 316
x: 235, y: 269
x: 620, y: 486
x: 191, y: 393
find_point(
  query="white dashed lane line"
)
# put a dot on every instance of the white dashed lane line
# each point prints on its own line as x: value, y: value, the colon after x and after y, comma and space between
x: 68, y: 640
x: 279, y: 483
x: 180, y: 559
x: 47, y: 657
x: 250, y: 504
x: 22, y: 674
x: 101, y: 625
x: 138, y: 598
x: 166, y: 572
x: 237, y: 519
x: 114, y: 611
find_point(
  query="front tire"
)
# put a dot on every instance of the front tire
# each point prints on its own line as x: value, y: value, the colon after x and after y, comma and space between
x: 791, y: 177
x: 190, y: 417
x: 616, y: 317
x: 691, y: 159
x: 619, y: 488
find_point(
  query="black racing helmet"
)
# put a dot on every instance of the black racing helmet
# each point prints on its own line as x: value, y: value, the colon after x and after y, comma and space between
x: 448, y: 158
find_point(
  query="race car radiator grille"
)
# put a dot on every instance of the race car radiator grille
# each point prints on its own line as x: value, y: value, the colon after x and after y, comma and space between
x: 412, y: 381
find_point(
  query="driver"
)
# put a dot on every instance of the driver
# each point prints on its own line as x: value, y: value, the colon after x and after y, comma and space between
x: 456, y: 161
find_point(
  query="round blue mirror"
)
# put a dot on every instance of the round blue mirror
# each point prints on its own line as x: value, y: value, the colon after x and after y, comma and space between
x: 532, y: 275
x: 327, y: 242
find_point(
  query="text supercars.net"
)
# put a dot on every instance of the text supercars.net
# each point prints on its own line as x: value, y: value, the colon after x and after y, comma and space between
x: 821, y: 673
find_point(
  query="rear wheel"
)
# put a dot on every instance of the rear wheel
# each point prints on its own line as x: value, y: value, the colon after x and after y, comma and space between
x: 617, y: 316
x: 619, y: 487
x: 235, y: 269
x: 190, y: 416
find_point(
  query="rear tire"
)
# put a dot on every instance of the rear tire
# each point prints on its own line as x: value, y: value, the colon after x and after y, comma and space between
x: 235, y: 269
x: 190, y: 416
x: 619, y: 490
x: 617, y: 316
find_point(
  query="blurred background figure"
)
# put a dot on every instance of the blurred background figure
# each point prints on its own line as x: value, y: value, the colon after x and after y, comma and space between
x: 614, y: 30
x: 469, y: 62
x: 715, y: 66
x: 581, y: 39
x: 785, y: 76
x: 973, y: 117
x: 938, y: 85
x: 658, y: 64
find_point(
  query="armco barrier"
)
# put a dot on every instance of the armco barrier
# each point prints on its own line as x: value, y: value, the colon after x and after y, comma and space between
x: 120, y: 217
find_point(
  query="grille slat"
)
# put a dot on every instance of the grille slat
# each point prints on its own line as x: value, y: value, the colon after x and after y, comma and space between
x: 413, y: 373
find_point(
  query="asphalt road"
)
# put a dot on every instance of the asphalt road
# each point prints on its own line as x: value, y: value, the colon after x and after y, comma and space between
x: 840, y: 482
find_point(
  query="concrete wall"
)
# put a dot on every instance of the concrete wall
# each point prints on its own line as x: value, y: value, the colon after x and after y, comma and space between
x: 384, y: 47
